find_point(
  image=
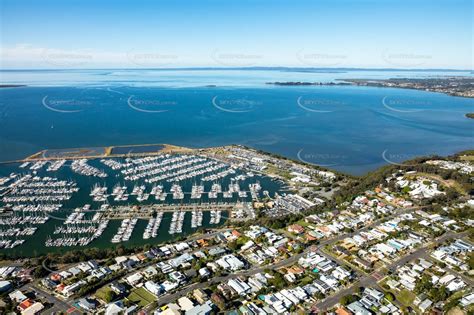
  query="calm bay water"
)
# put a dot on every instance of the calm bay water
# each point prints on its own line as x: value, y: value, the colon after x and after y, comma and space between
x: 351, y: 129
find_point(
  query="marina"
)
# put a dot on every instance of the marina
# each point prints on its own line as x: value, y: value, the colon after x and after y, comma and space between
x: 66, y: 203
x: 80, y: 224
x: 176, y: 225
x: 196, y: 220
x: 125, y: 230
x: 153, y: 226
x: 215, y: 217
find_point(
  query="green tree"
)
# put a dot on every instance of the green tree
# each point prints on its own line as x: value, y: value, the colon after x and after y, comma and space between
x: 423, y: 285
x: 390, y: 296
x: 348, y: 299
x: 109, y: 296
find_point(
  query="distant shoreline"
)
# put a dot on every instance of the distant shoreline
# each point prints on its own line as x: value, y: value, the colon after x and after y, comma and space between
x: 453, y: 86
x: 329, y: 69
x: 11, y: 85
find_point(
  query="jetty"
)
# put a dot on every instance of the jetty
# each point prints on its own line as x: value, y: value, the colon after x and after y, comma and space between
x: 147, y: 211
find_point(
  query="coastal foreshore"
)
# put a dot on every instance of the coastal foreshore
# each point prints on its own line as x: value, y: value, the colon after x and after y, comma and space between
x: 113, y: 151
x: 453, y: 86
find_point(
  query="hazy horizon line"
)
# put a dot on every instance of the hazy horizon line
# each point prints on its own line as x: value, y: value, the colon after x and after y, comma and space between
x: 247, y: 68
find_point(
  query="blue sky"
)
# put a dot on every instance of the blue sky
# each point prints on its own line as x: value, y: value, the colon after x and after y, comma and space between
x: 216, y: 33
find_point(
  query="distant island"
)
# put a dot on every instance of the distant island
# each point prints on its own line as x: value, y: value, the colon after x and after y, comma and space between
x: 454, y: 86
x: 11, y: 85
x: 299, y: 83
x: 470, y: 115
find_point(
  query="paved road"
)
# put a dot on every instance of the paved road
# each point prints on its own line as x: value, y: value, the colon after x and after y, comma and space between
x: 364, y: 281
x: 58, y: 304
x: 164, y: 299
x: 396, y: 213
x: 465, y: 278
x: 371, y: 280
x: 65, y: 306
x: 286, y: 262
x: 422, y: 252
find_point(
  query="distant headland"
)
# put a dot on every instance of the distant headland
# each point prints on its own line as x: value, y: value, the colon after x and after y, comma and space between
x: 454, y: 86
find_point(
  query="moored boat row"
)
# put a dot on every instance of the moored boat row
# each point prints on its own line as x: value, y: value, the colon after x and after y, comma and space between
x: 176, y: 225
x: 125, y: 230
x: 152, y: 227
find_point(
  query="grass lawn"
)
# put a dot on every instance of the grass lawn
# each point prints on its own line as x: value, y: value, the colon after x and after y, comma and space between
x: 6, y: 263
x: 102, y: 292
x: 458, y: 294
x: 468, y: 157
x: 450, y: 183
x: 141, y: 297
x: 306, y: 280
x: 274, y: 170
x: 405, y: 297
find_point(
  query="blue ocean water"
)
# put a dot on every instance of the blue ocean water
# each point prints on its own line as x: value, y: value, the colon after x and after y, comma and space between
x: 351, y: 129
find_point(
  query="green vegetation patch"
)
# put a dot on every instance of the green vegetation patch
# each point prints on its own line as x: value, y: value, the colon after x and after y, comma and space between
x: 105, y: 293
x: 405, y: 297
x: 278, y: 171
x: 141, y: 297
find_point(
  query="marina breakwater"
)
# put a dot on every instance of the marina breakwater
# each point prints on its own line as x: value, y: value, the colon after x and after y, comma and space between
x: 62, y: 204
